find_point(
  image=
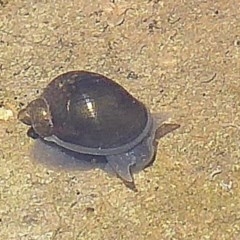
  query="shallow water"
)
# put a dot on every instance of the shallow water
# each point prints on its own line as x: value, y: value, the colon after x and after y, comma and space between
x: 185, y: 60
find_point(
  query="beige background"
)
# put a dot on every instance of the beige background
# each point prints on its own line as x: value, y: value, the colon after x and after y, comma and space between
x: 181, y: 57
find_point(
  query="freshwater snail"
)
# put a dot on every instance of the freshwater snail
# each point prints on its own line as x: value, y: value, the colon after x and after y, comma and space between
x: 87, y: 113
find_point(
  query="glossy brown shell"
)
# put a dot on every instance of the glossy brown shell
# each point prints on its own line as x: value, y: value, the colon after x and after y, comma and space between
x: 92, y: 111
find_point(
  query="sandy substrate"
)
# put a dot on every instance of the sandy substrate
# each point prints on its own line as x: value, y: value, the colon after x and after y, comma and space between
x: 181, y: 57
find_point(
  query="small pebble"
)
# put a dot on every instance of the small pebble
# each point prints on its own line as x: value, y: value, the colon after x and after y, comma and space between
x: 5, y: 114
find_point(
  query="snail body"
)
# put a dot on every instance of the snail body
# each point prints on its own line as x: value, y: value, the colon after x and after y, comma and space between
x: 87, y: 113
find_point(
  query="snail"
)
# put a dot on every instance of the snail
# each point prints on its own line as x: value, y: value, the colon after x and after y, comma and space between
x: 89, y: 114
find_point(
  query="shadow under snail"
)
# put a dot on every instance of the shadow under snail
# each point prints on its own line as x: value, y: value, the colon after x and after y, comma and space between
x: 88, y: 116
